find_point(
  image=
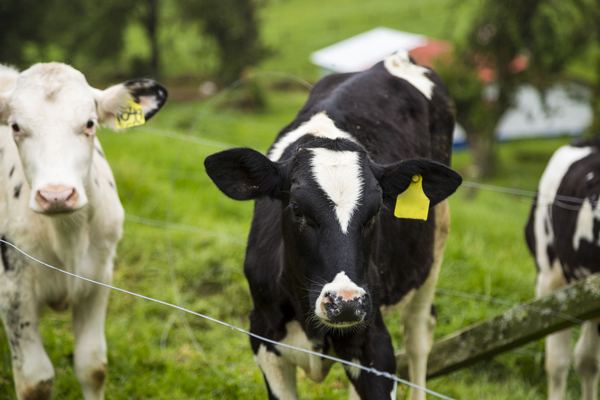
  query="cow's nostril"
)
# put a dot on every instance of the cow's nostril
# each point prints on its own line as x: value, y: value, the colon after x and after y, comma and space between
x: 57, y: 198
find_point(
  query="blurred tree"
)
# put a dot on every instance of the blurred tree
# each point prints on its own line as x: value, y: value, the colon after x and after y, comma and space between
x: 234, y: 26
x: 16, y: 30
x: 87, y: 28
x: 511, y: 43
x: 83, y: 33
x: 148, y: 15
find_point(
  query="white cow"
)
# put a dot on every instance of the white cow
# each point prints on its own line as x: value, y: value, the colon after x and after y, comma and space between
x: 59, y: 203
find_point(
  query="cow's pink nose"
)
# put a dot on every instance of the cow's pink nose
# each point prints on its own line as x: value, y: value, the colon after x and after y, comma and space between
x: 57, y: 199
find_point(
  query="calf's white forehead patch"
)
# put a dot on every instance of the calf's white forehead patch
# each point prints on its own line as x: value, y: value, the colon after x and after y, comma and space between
x: 399, y: 65
x: 339, y: 174
x: 320, y: 125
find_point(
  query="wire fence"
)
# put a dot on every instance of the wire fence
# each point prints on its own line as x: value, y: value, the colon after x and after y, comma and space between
x: 264, y: 339
x: 528, y: 196
x: 168, y: 225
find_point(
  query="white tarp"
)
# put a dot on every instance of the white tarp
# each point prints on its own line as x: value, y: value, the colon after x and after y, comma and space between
x: 365, y: 50
x: 567, y: 111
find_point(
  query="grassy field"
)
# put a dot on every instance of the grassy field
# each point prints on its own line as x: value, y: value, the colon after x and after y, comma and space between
x: 486, y: 254
x: 151, y: 354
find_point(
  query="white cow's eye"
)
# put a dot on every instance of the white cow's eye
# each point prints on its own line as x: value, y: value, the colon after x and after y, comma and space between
x: 15, y: 127
x: 90, y: 124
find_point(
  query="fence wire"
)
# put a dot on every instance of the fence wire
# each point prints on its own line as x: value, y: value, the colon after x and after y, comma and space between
x: 264, y: 339
x: 558, y: 200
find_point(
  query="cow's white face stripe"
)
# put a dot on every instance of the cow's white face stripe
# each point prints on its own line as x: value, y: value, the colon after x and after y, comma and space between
x: 557, y: 167
x: 319, y: 125
x: 338, y: 173
x: 399, y: 65
x: 340, y: 282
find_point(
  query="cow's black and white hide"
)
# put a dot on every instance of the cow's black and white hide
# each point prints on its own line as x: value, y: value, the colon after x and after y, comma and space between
x: 564, y: 238
x: 325, y: 252
x: 59, y: 203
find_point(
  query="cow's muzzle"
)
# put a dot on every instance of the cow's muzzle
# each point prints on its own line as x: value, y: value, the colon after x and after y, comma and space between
x: 344, y: 311
x: 57, y: 199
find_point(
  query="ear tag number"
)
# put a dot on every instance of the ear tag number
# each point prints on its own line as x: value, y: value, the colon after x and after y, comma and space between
x: 132, y: 115
x: 413, y: 203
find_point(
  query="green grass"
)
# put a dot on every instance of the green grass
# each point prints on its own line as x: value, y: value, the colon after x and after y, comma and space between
x: 485, y: 254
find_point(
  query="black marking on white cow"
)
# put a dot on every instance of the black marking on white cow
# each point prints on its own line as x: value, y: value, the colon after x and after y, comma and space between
x: 395, y: 133
x: 100, y: 152
x: 4, y: 251
x: 152, y: 91
x: 17, y: 191
x: 10, y: 173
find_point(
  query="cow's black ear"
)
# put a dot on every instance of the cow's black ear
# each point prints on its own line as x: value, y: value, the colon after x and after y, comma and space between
x: 439, y: 181
x: 244, y: 174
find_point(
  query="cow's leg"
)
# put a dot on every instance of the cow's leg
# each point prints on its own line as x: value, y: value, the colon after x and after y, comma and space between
x: 587, y: 359
x: 32, y: 369
x: 558, y: 359
x: 372, y: 349
x: 558, y: 345
x: 418, y: 318
x: 279, y: 373
x: 90, y: 344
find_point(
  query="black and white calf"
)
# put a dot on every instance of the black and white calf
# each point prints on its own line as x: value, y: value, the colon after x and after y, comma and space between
x: 59, y: 203
x: 325, y: 251
x: 564, y: 238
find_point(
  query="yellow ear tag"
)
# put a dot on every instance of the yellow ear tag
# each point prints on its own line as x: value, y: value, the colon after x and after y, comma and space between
x: 132, y: 115
x: 413, y: 203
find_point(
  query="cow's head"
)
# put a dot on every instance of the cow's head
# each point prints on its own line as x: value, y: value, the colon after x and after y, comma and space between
x: 52, y: 114
x: 331, y: 194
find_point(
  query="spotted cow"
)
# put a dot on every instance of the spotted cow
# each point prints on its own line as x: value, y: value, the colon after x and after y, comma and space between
x: 325, y: 252
x: 59, y: 203
x: 563, y: 237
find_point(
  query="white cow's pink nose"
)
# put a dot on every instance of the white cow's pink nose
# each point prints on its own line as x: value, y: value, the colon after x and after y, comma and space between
x: 57, y: 199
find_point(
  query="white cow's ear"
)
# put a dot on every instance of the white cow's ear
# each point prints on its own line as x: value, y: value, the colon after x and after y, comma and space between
x: 4, y: 110
x: 150, y: 95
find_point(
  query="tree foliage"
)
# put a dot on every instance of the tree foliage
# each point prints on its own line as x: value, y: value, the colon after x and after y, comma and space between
x: 544, y: 36
x: 90, y: 28
x: 234, y: 25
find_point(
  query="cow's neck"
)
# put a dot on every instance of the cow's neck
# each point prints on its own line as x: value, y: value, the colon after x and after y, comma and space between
x: 72, y: 230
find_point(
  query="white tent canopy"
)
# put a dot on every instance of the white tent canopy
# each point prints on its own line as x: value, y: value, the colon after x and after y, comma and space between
x: 365, y: 50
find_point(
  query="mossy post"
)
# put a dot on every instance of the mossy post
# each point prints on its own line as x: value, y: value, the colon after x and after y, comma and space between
x: 521, y: 324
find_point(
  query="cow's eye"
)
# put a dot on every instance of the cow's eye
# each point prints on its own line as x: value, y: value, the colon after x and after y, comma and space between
x: 296, y: 210
x: 90, y: 124
x: 15, y: 127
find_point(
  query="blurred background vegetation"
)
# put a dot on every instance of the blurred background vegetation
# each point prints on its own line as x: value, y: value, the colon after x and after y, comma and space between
x: 185, y: 44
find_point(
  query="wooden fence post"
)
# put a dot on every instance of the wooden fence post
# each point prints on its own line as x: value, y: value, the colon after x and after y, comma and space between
x: 521, y: 324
